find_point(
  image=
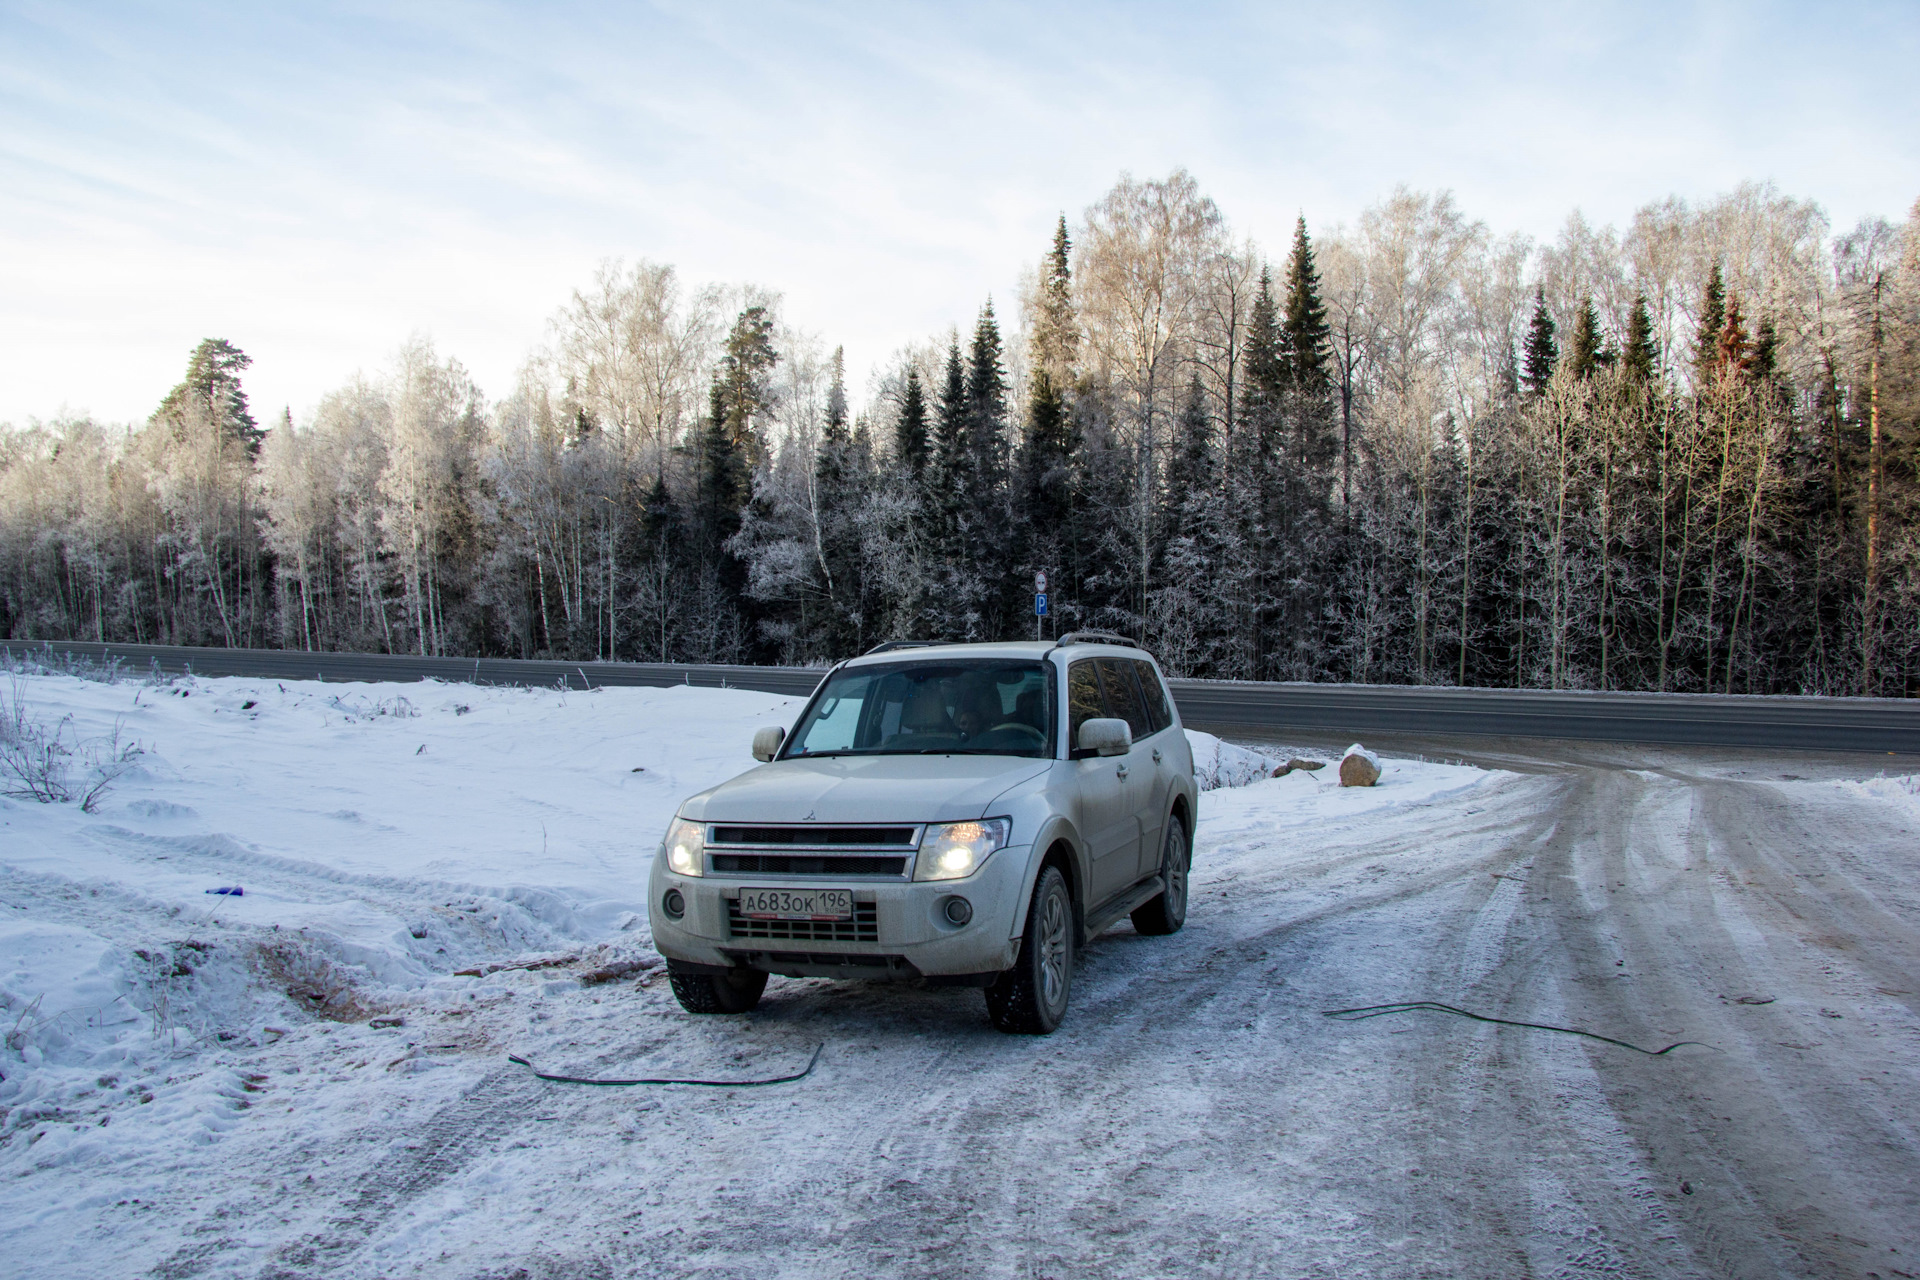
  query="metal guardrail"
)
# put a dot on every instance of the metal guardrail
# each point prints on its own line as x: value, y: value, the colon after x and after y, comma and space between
x: 1835, y: 724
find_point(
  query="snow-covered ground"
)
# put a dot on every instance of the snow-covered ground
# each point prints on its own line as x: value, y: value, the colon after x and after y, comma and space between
x: 300, y: 1079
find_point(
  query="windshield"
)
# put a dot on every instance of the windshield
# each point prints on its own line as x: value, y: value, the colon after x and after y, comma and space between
x: 980, y: 707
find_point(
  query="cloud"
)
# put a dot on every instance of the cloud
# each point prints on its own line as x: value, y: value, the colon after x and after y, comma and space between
x: 317, y: 184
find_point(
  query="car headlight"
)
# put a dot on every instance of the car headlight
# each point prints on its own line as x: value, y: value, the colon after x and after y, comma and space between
x: 955, y: 850
x: 686, y: 841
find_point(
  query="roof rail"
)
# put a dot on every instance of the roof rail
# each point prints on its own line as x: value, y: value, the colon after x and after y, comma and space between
x: 890, y: 645
x: 1097, y: 637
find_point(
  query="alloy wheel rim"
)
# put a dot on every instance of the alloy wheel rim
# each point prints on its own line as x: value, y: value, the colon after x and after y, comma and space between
x: 1177, y: 876
x: 1053, y: 950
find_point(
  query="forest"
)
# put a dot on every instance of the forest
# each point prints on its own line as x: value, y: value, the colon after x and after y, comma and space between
x: 1683, y: 456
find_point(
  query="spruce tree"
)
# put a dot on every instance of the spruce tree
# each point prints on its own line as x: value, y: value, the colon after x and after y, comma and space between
x: 836, y: 426
x: 1706, y: 342
x: 657, y: 554
x: 947, y: 485
x: 986, y: 514
x: 721, y: 477
x: 1056, y: 331
x: 1640, y: 359
x: 950, y: 428
x: 987, y: 402
x: 658, y: 517
x: 1267, y: 475
x: 837, y: 499
x: 910, y: 430
x: 1584, y: 350
x: 1307, y: 336
x: 1047, y: 453
x: 1268, y: 375
x: 1047, y: 536
x: 1765, y: 361
x: 1542, y: 352
x: 830, y: 458
x: 1190, y: 468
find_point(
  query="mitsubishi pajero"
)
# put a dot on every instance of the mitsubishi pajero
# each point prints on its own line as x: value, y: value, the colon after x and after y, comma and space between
x: 956, y: 814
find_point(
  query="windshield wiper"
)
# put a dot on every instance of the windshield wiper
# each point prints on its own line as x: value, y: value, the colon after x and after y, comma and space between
x: 968, y: 751
x: 915, y: 751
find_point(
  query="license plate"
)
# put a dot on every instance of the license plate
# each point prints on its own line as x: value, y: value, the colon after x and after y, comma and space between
x: 796, y: 904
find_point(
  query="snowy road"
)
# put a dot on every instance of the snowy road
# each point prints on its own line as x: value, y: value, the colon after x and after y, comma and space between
x: 1196, y: 1116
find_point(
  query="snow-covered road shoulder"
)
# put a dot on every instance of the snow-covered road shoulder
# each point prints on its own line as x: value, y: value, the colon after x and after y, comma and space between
x: 428, y: 875
x: 1266, y: 819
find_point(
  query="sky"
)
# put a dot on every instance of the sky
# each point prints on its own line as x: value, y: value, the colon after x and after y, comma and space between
x: 318, y: 183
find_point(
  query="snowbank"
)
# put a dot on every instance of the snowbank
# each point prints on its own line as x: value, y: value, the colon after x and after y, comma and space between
x: 1222, y: 764
x: 1902, y: 791
x: 384, y: 837
x: 1265, y: 819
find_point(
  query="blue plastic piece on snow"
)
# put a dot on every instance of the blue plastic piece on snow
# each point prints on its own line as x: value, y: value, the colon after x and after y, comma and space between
x: 232, y: 890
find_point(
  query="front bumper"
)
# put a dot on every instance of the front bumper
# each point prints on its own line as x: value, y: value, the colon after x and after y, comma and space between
x: 903, y: 927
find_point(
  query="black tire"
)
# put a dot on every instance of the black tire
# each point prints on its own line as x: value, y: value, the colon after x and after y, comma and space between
x: 1030, y: 999
x: 1166, y: 913
x: 734, y: 992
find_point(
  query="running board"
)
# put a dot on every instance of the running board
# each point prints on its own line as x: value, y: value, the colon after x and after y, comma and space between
x: 1144, y: 892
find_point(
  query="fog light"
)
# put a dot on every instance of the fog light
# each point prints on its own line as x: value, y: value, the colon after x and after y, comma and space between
x: 673, y: 904
x: 959, y: 911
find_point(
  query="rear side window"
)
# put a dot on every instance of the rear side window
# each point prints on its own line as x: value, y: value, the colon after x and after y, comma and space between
x: 1123, y: 695
x: 1083, y: 700
x: 1157, y: 709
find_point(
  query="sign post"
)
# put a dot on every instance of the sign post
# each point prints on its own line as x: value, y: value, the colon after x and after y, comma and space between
x: 1039, y: 601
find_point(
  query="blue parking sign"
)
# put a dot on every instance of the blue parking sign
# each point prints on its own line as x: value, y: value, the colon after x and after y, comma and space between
x: 1040, y: 605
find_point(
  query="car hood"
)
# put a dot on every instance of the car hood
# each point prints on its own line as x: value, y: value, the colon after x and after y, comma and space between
x: 847, y: 789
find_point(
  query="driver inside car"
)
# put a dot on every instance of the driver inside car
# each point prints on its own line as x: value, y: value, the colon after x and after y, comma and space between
x: 976, y: 714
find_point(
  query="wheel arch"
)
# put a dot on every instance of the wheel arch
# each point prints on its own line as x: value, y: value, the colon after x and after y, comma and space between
x: 1059, y: 847
x: 1184, y: 811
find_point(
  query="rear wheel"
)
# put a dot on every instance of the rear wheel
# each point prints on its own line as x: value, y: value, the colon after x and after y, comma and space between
x: 1031, y: 998
x: 736, y: 991
x: 1166, y: 913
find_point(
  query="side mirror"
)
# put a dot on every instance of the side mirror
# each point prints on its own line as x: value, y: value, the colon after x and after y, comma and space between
x: 1104, y: 737
x: 767, y: 740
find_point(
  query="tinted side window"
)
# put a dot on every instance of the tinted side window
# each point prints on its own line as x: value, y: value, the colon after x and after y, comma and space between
x: 1083, y: 701
x: 1157, y: 709
x: 1123, y: 695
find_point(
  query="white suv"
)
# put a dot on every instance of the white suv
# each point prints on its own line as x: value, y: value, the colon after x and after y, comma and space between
x: 962, y: 814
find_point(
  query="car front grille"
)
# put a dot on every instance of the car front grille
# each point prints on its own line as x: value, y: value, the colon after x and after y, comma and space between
x: 815, y: 837
x: 811, y: 850
x: 864, y: 927
x: 809, y: 864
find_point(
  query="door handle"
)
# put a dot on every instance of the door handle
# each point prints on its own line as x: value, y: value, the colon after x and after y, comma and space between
x: 1121, y: 771
x: 1156, y: 755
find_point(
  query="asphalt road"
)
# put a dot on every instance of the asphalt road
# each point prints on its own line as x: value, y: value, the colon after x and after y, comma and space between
x: 1231, y: 708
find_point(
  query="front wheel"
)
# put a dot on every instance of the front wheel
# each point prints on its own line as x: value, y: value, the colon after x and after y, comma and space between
x: 737, y: 991
x: 1166, y: 913
x: 1031, y: 998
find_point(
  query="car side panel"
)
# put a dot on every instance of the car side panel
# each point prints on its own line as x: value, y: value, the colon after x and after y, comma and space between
x: 1056, y: 830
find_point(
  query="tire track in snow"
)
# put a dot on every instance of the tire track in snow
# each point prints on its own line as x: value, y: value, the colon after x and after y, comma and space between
x: 410, y: 1164
x: 1795, y: 1167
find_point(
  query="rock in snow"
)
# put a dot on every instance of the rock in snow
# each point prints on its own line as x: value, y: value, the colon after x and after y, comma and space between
x: 1359, y: 767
